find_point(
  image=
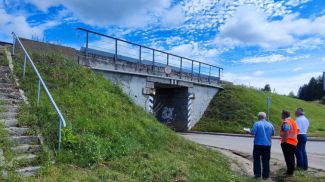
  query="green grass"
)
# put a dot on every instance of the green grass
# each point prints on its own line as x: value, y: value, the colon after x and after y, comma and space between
x: 108, y: 137
x: 237, y: 106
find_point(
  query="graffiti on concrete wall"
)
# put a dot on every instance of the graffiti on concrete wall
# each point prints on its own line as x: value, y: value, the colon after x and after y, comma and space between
x: 167, y: 113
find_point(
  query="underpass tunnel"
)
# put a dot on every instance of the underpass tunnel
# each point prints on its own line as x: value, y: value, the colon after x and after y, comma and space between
x: 170, y: 106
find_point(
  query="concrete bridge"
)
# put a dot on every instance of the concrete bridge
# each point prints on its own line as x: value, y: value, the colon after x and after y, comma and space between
x: 176, y: 90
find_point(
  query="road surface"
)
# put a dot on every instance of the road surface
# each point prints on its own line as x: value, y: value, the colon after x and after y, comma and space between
x: 315, y: 149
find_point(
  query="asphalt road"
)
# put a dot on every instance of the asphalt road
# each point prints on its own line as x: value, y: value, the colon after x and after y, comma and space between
x: 315, y: 149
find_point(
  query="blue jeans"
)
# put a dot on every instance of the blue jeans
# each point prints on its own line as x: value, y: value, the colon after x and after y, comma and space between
x: 263, y: 153
x: 301, y: 155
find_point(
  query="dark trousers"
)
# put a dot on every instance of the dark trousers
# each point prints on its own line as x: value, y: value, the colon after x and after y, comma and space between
x: 261, y: 153
x: 289, y: 156
x: 301, y: 155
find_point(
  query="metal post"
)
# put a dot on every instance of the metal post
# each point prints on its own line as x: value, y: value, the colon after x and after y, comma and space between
x: 38, y: 91
x: 13, y: 45
x: 210, y: 74
x: 180, y: 69
x: 139, y: 61
x: 192, y: 70
x: 153, y: 60
x: 87, y: 43
x: 198, y: 79
x: 219, y: 74
x: 24, y: 68
x: 60, y: 126
x: 167, y: 59
x: 115, y: 56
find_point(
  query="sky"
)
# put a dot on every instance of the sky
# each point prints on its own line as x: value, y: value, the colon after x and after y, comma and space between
x: 259, y: 42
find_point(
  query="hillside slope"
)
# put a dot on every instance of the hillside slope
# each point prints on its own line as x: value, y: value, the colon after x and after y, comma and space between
x: 237, y: 106
x: 108, y: 137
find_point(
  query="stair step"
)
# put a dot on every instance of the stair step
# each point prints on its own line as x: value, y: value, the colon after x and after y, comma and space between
x: 8, y: 108
x: 17, y: 131
x: 25, y: 160
x: 11, y: 101
x: 10, y: 122
x: 12, y: 95
x: 28, y: 171
x: 32, y: 140
x: 8, y: 90
x: 32, y: 149
x: 7, y: 85
x: 8, y: 115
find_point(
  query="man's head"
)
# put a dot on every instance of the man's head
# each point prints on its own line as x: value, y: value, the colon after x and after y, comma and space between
x: 285, y: 114
x: 299, y: 112
x: 261, y: 116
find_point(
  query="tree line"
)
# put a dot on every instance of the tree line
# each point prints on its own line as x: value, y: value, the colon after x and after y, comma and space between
x: 313, y: 90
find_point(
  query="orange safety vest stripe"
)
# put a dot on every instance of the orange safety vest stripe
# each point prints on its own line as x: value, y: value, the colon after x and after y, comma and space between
x: 293, y: 132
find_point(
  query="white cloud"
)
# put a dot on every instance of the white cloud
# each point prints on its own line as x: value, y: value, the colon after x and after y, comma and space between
x: 273, y: 58
x: 128, y: 13
x: 323, y: 59
x: 281, y: 85
x: 297, y: 69
x: 19, y: 24
x: 173, y: 17
x: 258, y: 73
x: 249, y: 26
x: 265, y: 59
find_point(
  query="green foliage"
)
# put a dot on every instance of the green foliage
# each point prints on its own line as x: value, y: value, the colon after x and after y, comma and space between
x: 322, y: 100
x: 107, y: 132
x: 237, y: 106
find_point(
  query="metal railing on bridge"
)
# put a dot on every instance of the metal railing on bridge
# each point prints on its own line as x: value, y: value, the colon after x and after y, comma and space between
x: 41, y: 83
x: 139, y: 54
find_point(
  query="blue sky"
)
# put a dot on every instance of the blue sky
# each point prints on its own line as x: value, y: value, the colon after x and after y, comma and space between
x: 256, y: 42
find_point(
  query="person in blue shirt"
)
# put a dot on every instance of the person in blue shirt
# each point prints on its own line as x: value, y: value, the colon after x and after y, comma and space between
x: 263, y: 132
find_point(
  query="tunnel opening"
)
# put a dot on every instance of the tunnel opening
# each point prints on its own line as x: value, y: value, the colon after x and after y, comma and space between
x: 171, y: 106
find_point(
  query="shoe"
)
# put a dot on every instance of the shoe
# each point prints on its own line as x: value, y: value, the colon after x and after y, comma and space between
x: 257, y: 177
x: 264, y: 178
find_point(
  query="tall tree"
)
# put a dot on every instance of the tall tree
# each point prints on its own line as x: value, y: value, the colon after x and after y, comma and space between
x: 267, y: 88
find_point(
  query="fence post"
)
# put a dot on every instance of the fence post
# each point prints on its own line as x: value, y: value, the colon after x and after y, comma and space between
x: 24, y: 68
x: 192, y: 70
x: 153, y: 60
x: 180, y: 69
x: 38, y: 91
x: 167, y: 59
x: 209, y: 74
x: 139, y: 62
x: 115, y: 56
x: 13, y: 45
x: 60, y: 126
x: 199, y: 78
x: 87, y: 43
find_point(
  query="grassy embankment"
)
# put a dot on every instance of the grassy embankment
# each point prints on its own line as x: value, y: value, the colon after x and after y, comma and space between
x: 108, y: 138
x: 237, y: 106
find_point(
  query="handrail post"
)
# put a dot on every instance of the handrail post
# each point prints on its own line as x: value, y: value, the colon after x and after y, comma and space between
x: 139, y: 62
x: 192, y: 70
x: 115, y: 56
x: 87, y: 43
x: 153, y: 60
x: 38, y: 91
x: 219, y: 73
x: 199, y: 76
x: 210, y: 74
x: 24, y: 68
x: 180, y: 69
x: 167, y: 59
x: 59, y: 134
x: 13, y: 45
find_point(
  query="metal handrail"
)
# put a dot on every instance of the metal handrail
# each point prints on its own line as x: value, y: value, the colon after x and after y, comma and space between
x: 62, y: 122
x: 116, y: 40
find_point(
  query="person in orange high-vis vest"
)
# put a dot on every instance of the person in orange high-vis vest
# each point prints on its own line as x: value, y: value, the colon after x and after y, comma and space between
x: 288, y: 137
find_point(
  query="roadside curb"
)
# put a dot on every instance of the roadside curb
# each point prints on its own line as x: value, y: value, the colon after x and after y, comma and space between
x: 315, y: 139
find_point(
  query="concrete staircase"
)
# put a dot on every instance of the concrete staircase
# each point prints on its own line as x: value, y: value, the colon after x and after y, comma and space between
x: 26, y: 144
